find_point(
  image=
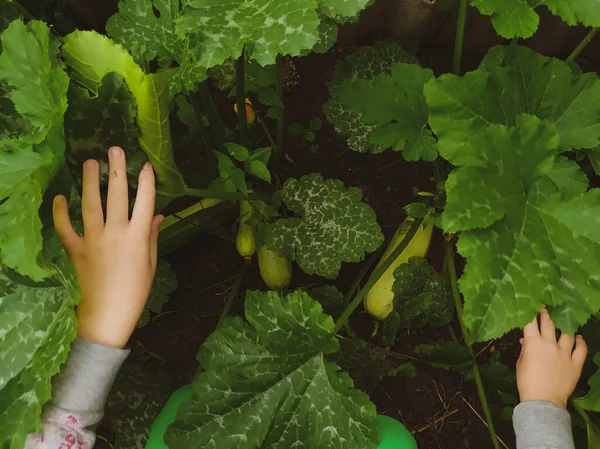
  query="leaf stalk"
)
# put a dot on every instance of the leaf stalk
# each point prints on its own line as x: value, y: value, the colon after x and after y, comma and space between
x: 240, y: 93
x: 232, y: 294
x: 586, y: 40
x: 460, y: 37
x: 280, y: 111
x: 449, y: 255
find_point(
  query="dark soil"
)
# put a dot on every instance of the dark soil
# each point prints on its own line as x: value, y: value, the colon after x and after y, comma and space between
x: 441, y: 409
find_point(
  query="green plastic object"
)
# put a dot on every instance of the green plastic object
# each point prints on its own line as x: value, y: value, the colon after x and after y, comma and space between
x: 393, y: 435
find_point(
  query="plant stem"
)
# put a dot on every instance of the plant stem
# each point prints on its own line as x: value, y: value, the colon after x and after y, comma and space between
x: 460, y: 37
x: 361, y: 274
x: 204, y: 135
x: 232, y: 294
x: 240, y: 89
x: 280, y: 110
x: 449, y: 254
x: 214, y: 119
x: 586, y: 40
x: 377, y: 274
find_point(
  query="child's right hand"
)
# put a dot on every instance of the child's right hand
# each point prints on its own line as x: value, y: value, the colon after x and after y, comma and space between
x: 548, y: 370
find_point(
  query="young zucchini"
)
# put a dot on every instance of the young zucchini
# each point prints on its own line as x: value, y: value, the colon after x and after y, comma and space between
x: 379, y: 301
x: 245, y: 240
x: 275, y: 269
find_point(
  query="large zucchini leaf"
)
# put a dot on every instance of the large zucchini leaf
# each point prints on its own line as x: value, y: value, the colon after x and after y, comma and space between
x: 36, y: 85
x: 266, y: 384
x: 91, y: 57
x: 518, y: 18
x: 530, y: 229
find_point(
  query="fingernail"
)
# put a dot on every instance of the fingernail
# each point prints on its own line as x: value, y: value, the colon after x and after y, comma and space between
x: 115, y: 152
x: 147, y: 166
x: 90, y: 164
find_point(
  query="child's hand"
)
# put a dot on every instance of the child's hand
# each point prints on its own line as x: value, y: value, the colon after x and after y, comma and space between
x: 116, y: 260
x: 548, y: 370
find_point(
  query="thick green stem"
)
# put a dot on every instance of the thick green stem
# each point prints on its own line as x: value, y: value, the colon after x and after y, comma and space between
x: 476, y: 373
x: 214, y: 119
x: 460, y: 37
x: 232, y: 294
x: 377, y: 274
x: 586, y: 40
x: 240, y: 90
x: 280, y: 110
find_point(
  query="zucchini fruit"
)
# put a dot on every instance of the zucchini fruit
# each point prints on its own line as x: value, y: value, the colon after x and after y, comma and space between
x: 379, y: 301
x: 275, y: 269
x: 245, y: 240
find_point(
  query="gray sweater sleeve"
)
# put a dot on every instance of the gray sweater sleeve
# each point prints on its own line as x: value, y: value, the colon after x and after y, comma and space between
x: 542, y: 425
x: 78, y: 396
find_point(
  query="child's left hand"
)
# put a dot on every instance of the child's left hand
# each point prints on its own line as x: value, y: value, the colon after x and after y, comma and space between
x: 115, y: 259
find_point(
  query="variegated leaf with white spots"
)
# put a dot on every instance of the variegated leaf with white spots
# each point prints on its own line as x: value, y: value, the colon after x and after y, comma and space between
x: 37, y: 326
x: 365, y: 64
x: 265, y: 383
x: 335, y: 225
x: 529, y: 230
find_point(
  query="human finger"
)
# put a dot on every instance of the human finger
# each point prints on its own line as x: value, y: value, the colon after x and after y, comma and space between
x: 547, y: 329
x: 91, y: 204
x: 143, y: 210
x: 117, y: 205
x: 64, y: 229
x: 532, y: 329
x: 156, y: 221
x: 580, y: 352
x: 566, y: 342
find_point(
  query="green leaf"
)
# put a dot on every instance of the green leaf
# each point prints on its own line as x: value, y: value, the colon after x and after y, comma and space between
x: 594, y: 158
x: 420, y: 297
x: 416, y: 210
x: 95, y: 123
x: 511, y: 18
x: 225, y: 163
x: 336, y: 226
x: 330, y: 298
x: 365, y: 64
x: 148, y: 36
x: 91, y: 56
x: 262, y: 154
x: 37, y: 328
x: 219, y: 32
x: 394, y: 105
x: 448, y: 355
x: 296, y: 129
x: 390, y: 326
x: 37, y: 88
x: 327, y: 35
x: 273, y: 366
x: 528, y: 230
x: 260, y: 170
x: 517, y: 18
x: 239, y: 179
x: 462, y: 107
x: 163, y: 285
x: 309, y: 136
x: 268, y: 97
x: 315, y: 124
x: 236, y: 151
x: 367, y: 366
x: 591, y: 401
x: 223, y: 75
